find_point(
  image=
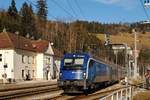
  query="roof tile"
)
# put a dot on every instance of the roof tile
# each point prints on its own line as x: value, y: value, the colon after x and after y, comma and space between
x: 10, y: 40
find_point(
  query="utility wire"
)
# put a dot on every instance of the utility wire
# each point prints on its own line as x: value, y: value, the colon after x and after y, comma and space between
x: 142, y: 4
x: 31, y: 3
x: 36, y: 6
x: 70, y: 6
x: 81, y: 12
x: 62, y: 8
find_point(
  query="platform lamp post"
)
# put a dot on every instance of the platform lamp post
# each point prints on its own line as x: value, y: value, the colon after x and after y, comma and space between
x: 126, y: 58
x: 135, y: 53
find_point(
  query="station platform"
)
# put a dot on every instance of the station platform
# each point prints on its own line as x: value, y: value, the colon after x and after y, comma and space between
x: 25, y: 84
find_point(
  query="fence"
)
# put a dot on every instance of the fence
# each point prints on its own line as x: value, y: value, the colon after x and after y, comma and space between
x: 122, y: 94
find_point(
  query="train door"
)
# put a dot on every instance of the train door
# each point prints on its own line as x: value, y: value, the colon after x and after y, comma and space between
x: 90, y: 67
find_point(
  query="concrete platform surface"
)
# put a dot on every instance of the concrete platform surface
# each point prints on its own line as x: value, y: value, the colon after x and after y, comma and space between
x: 25, y: 84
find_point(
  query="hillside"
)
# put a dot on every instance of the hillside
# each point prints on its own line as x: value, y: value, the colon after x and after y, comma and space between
x: 143, y: 39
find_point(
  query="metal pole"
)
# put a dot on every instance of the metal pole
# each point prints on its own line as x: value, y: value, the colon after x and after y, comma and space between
x: 112, y: 97
x: 130, y: 93
x: 117, y: 62
x: 117, y: 96
x: 121, y: 95
x: 126, y: 93
x: 135, y: 53
x: 116, y: 57
x: 126, y: 59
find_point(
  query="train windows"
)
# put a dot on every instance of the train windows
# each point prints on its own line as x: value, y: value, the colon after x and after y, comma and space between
x: 103, y: 68
x: 74, y: 61
x: 78, y: 61
x: 68, y: 61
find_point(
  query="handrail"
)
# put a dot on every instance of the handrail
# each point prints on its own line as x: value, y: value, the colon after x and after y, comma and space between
x: 122, y: 94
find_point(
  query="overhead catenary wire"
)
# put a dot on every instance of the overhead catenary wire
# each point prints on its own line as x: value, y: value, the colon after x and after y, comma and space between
x: 81, y: 12
x: 142, y: 4
x: 67, y: 12
x: 51, y: 15
x: 31, y: 3
x: 70, y: 6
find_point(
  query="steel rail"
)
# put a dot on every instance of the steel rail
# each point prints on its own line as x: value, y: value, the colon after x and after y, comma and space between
x: 20, y: 92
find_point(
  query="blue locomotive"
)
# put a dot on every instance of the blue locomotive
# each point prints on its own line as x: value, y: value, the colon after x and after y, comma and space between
x: 79, y: 72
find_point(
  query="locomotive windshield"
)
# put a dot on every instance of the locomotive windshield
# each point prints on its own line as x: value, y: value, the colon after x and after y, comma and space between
x: 73, y: 63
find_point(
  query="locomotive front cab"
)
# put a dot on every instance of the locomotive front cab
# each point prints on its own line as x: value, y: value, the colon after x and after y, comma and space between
x: 73, y: 71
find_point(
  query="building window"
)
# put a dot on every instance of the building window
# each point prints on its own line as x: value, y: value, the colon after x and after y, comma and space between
x: 0, y: 57
x: 23, y: 74
x: 47, y: 60
x: 29, y: 60
x: 33, y: 60
x: 22, y: 58
x: 33, y: 73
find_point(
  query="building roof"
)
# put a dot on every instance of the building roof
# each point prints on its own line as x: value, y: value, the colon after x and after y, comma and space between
x: 40, y: 45
x: 5, y: 41
x: 14, y: 41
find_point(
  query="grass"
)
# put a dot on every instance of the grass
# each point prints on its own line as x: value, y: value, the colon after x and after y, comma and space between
x: 143, y: 39
x: 136, y: 80
x: 143, y: 95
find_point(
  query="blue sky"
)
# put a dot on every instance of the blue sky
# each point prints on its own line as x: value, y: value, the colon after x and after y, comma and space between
x: 105, y: 11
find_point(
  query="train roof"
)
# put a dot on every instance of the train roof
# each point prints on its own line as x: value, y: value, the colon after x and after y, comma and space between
x: 77, y: 55
x: 86, y: 55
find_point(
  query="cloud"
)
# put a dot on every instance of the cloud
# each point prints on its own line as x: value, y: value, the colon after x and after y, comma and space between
x: 108, y: 1
x: 126, y: 4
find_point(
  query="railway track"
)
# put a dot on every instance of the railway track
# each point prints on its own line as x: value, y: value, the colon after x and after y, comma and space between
x: 8, y: 92
x: 94, y: 96
x: 99, y: 94
x: 51, y: 92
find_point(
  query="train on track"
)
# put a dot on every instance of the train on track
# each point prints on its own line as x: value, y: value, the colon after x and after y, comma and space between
x: 79, y: 72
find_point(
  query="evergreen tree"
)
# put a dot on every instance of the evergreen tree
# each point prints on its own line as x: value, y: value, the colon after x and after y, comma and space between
x: 42, y: 18
x: 27, y: 21
x: 11, y: 19
x: 12, y: 10
x: 42, y: 10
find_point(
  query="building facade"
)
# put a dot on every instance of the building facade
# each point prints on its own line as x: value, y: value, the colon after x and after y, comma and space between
x: 25, y: 59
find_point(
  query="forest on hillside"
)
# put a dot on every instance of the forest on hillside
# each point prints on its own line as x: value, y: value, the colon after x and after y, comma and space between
x: 66, y: 36
x: 74, y: 36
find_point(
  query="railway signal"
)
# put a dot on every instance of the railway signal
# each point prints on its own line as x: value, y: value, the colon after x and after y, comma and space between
x: 107, y: 39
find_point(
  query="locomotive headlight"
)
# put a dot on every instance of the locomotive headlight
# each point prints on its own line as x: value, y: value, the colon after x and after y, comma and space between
x: 84, y: 75
x: 60, y: 74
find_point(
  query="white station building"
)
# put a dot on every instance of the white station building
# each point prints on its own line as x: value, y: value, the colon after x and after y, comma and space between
x: 25, y: 59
